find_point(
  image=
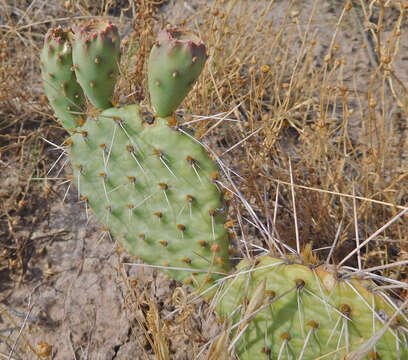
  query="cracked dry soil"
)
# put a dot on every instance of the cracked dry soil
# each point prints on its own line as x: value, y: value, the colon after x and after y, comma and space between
x: 79, y: 298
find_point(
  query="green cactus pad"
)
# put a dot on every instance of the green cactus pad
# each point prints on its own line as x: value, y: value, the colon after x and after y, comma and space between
x: 96, y: 56
x: 305, y: 313
x: 151, y: 186
x: 63, y: 91
x: 174, y: 65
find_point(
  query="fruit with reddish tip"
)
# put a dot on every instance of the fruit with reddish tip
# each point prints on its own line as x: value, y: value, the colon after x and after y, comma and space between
x: 96, y: 57
x: 60, y: 85
x: 174, y: 65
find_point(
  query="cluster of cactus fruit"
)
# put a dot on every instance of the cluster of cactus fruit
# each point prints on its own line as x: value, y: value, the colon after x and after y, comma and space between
x: 155, y: 190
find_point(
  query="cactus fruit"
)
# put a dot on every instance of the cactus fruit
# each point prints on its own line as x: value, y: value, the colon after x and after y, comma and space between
x: 286, y: 310
x: 96, y: 57
x: 174, y: 66
x: 151, y: 186
x: 60, y: 85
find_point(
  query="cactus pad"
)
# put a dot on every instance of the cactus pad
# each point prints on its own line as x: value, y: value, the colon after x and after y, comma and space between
x: 152, y: 187
x: 96, y: 56
x: 174, y: 65
x: 306, y: 313
x: 60, y: 85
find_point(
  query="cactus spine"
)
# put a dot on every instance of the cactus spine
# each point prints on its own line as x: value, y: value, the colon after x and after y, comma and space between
x: 153, y: 187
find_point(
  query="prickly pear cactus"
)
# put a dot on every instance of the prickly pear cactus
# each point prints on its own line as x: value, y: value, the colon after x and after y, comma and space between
x: 153, y: 189
x: 152, y: 186
x: 60, y: 85
x: 284, y: 310
x: 96, y: 57
x: 174, y: 65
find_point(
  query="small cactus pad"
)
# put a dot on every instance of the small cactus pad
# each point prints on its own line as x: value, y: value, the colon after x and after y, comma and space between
x: 96, y: 56
x: 174, y: 65
x: 152, y: 187
x: 63, y: 91
x: 291, y: 311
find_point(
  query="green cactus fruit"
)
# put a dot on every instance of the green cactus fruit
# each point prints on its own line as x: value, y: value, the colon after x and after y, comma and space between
x: 61, y: 88
x: 284, y: 310
x: 96, y: 55
x: 174, y: 65
x: 153, y: 188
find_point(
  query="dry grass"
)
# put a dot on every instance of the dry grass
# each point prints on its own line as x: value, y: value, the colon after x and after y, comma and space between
x: 334, y: 118
x: 311, y: 113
